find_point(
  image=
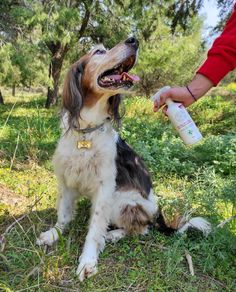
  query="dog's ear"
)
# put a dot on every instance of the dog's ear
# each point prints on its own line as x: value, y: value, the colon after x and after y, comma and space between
x: 114, y: 108
x: 72, y: 95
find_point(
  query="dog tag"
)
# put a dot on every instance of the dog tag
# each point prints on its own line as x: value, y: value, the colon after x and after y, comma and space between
x: 86, y: 144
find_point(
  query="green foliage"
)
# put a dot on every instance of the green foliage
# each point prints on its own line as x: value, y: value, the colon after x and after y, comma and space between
x: 169, y: 59
x: 52, y: 32
x: 199, y: 179
x: 21, y: 65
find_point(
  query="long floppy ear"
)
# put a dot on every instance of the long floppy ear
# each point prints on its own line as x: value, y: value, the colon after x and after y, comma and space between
x: 72, y: 95
x: 114, y: 108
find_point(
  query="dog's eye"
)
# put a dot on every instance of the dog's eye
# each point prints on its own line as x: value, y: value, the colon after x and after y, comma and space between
x: 99, y: 52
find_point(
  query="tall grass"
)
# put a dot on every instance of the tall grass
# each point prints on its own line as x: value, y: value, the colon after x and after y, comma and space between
x: 200, y: 179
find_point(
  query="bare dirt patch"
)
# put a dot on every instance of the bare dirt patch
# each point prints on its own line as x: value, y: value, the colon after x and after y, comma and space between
x: 10, y: 198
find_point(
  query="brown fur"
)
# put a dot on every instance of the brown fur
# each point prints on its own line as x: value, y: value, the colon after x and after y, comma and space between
x: 81, y: 88
x: 134, y: 219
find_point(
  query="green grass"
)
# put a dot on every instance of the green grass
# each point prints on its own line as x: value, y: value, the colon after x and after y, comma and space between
x: 201, y: 179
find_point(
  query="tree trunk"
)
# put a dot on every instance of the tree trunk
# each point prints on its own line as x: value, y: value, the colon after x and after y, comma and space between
x: 1, y: 98
x: 13, y: 89
x: 58, y: 55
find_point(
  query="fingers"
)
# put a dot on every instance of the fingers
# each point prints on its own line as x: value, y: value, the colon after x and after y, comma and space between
x: 164, y: 96
x: 155, y: 106
x: 177, y: 94
x: 164, y: 110
x: 159, y: 103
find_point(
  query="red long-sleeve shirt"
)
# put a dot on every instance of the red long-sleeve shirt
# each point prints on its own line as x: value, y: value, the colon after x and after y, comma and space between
x: 221, y: 58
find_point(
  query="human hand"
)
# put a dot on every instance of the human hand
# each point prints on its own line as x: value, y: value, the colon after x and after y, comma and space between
x: 178, y: 94
x: 198, y: 87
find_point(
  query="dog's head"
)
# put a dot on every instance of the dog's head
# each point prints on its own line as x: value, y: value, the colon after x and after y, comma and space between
x: 100, y: 74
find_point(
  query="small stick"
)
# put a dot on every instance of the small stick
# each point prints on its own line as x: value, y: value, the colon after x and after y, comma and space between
x: 14, y: 155
x: 8, y: 229
x: 9, y: 114
x: 190, y: 262
x: 226, y: 221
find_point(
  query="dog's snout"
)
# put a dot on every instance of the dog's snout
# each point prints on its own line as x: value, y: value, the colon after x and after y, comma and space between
x: 132, y: 42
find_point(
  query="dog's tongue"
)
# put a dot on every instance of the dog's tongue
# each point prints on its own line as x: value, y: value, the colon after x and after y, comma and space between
x: 134, y: 78
x: 125, y: 76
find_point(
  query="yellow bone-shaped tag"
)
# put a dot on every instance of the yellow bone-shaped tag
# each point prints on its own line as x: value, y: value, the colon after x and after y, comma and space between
x: 86, y: 144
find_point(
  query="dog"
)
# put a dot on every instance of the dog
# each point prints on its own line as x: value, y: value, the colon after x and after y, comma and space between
x: 92, y: 160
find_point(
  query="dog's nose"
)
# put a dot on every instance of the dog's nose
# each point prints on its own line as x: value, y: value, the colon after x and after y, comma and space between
x: 132, y: 42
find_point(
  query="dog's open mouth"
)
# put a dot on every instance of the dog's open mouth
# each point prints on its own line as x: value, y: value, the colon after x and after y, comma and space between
x: 118, y: 76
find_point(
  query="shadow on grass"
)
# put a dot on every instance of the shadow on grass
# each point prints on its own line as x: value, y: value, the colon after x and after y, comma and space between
x: 20, y: 255
x: 28, y: 101
x: 30, y: 137
x: 154, y: 257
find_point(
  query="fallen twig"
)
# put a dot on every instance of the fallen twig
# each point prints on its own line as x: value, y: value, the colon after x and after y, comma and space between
x: 8, y: 229
x: 226, y: 221
x: 190, y: 262
x: 14, y: 154
x: 9, y: 114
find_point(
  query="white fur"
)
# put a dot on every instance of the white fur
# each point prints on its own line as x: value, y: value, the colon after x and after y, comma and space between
x: 198, y: 223
x: 115, y: 235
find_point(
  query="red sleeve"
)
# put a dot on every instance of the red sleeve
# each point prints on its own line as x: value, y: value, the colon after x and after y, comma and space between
x: 221, y: 58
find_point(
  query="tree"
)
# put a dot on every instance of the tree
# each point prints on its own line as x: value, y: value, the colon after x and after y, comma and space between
x: 181, y: 12
x: 7, y: 71
x: 21, y: 64
x: 57, y: 26
x: 1, y: 98
x: 168, y: 59
x: 225, y: 7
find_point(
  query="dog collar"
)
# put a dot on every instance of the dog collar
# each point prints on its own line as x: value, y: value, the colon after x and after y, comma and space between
x: 87, y: 144
x: 88, y: 130
x: 91, y: 129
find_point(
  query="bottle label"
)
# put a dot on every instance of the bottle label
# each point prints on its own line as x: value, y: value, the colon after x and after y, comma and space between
x: 191, y: 131
x: 188, y: 122
x: 186, y: 127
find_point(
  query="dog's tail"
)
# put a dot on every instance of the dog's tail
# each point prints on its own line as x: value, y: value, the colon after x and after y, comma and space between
x: 184, y: 224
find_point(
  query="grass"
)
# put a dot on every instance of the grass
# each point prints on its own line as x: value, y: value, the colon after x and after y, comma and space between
x: 201, y: 178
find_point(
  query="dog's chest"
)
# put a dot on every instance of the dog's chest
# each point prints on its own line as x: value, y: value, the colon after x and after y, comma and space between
x: 86, y: 169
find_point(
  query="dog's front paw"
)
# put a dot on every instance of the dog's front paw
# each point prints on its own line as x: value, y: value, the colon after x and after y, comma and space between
x: 86, y: 269
x: 48, y: 237
x: 115, y: 235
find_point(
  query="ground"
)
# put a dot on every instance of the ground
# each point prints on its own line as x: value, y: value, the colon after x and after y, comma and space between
x: 200, y: 179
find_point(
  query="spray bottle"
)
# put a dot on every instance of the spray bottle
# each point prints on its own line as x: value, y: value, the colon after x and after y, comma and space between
x: 180, y: 119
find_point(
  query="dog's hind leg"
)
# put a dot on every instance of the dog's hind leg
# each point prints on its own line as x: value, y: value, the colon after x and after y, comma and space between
x: 133, y: 213
x: 65, y: 212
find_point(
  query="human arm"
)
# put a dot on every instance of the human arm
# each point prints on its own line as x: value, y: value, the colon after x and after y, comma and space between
x: 220, y: 60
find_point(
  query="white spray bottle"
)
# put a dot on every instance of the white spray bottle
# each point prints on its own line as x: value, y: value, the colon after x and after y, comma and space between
x: 180, y: 119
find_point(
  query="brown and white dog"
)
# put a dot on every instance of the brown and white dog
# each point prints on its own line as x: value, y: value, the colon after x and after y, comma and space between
x: 91, y: 159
